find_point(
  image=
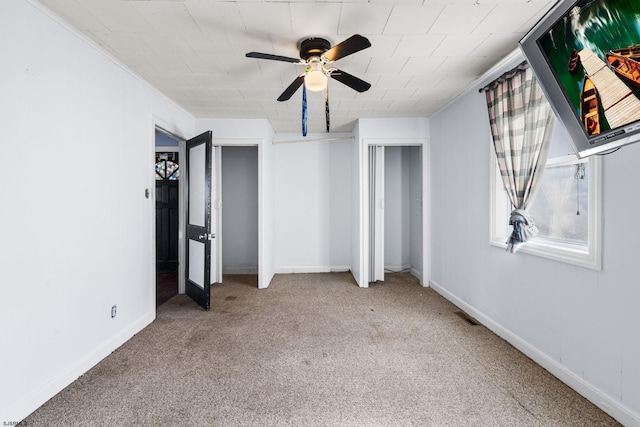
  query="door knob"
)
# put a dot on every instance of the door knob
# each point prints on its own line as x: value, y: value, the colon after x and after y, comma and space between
x: 208, y: 236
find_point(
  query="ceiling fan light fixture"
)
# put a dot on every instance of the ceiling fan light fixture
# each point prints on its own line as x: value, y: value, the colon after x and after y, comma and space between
x: 316, y: 79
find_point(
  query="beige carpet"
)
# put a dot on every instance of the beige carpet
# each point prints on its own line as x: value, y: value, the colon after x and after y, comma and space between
x: 316, y: 350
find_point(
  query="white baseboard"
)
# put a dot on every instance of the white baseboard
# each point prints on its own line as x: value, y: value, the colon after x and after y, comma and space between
x: 314, y: 269
x: 417, y: 274
x: 240, y: 270
x: 21, y: 409
x: 392, y: 268
x: 408, y: 268
x: 411, y: 270
x: 608, y: 404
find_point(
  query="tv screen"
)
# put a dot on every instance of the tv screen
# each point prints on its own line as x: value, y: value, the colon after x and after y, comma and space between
x: 586, y: 56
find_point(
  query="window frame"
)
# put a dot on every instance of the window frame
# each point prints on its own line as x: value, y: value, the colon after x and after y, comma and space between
x: 587, y: 256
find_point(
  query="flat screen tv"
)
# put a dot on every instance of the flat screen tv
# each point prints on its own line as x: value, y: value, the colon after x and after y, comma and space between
x: 586, y: 56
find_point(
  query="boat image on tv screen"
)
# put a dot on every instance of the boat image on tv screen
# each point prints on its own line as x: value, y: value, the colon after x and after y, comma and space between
x: 594, y: 51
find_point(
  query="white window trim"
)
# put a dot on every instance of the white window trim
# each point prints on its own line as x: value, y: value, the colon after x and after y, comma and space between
x: 588, y: 257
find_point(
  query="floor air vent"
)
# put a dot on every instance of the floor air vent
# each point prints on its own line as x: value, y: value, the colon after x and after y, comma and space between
x: 464, y: 316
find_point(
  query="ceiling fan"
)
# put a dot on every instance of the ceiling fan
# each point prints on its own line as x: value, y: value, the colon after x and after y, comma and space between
x: 318, y: 55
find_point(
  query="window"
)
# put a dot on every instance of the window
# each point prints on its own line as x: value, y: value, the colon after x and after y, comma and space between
x: 566, y: 210
x: 561, y: 207
x: 166, y: 167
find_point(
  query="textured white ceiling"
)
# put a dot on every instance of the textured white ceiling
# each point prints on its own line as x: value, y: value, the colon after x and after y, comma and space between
x: 424, y: 52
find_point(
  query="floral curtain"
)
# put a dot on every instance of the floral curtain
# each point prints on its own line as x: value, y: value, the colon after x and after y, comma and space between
x: 521, y: 122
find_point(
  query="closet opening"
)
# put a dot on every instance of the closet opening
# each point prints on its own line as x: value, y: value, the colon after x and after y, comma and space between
x: 395, y: 211
x: 239, y: 213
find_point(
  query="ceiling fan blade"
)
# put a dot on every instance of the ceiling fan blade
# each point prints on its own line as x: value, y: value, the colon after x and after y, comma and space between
x: 351, y: 45
x: 293, y: 87
x: 273, y: 57
x: 352, y: 81
x: 326, y: 106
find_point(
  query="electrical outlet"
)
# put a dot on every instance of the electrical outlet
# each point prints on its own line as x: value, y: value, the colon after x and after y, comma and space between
x: 113, y: 311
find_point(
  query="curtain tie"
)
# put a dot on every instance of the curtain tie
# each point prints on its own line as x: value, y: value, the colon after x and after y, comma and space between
x: 523, y: 229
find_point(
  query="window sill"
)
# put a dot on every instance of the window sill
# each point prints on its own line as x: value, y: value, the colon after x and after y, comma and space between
x: 570, y: 254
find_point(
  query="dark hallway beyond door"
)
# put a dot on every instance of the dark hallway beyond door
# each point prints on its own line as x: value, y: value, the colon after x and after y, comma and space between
x: 167, y: 172
x: 166, y: 287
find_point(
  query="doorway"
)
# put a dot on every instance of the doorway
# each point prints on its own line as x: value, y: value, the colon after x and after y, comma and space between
x: 239, y: 211
x: 167, y: 199
x: 395, y: 211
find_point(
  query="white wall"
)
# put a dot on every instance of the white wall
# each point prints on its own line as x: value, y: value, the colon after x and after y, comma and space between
x: 396, y: 128
x: 77, y: 231
x: 581, y: 325
x: 239, y: 210
x: 236, y: 128
x: 313, y: 204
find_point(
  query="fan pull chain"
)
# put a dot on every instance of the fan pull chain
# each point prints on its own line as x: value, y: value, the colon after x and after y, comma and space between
x: 578, y: 175
x: 326, y: 106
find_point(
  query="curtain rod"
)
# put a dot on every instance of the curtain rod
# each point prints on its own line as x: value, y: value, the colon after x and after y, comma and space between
x: 509, y: 74
x: 337, y: 138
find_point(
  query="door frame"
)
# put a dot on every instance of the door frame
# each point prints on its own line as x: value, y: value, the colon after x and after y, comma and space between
x: 181, y: 136
x: 363, y: 280
x: 376, y: 214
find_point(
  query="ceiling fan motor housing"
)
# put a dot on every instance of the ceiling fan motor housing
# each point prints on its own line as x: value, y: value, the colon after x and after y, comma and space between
x: 313, y: 46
